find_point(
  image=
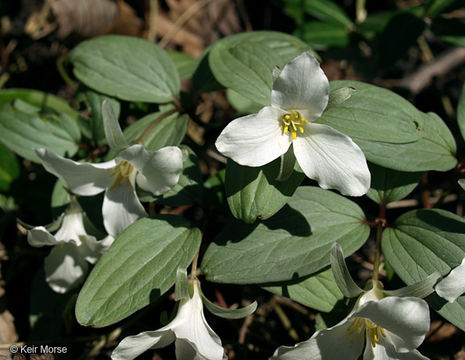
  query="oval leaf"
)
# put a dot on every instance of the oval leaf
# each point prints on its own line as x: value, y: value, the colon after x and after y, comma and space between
x: 126, y: 67
x: 294, y: 243
x: 246, y: 68
x: 318, y: 291
x: 392, y: 132
x: 9, y: 168
x: 425, y: 241
x: 389, y: 185
x: 140, y: 266
x: 166, y: 132
x: 253, y: 193
x: 23, y: 132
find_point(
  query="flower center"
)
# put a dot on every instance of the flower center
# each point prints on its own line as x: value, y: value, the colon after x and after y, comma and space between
x: 372, y: 330
x: 293, y: 121
x: 122, y: 173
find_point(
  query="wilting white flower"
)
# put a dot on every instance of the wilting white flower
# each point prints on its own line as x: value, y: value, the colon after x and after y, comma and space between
x: 299, y: 96
x: 192, y: 336
x: 453, y: 285
x: 153, y: 171
x: 68, y: 262
x: 383, y: 324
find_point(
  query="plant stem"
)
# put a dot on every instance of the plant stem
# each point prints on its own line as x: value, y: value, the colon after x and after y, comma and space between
x: 194, y: 264
x: 381, y: 222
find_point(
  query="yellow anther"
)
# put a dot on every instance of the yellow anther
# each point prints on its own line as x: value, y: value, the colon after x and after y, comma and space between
x: 372, y: 330
x: 292, y: 122
x: 122, y: 172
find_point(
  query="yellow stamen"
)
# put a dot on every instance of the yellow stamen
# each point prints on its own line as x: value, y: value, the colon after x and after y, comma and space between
x: 372, y: 330
x: 292, y: 122
x: 122, y: 172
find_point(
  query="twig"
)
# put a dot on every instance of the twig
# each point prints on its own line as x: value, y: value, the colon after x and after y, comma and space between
x: 182, y: 20
x: 284, y: 319
x: 245, y: 328
x: 442, y: 65
x: 152, y: 20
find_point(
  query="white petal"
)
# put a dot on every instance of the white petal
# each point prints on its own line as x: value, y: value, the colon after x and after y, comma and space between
x: 158, y: 170
x: 254, y: 140
x: 71, y: 228
x: 133, y: 346
x: 65, y: 268
x: 453, y: 285
x: 405, y: 320
x: 39, y: 236
x: 82, y: 178
x: 121, y: 207
x: 332, y: 159
x: 325, y: 344
x: 302, y: 86
x: 386, y: 351
x: 192, y: 327
x: 91, y: 249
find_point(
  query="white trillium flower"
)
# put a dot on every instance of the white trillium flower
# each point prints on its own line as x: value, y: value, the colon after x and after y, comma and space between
x: 299, y: 96
x: 153, y: 171
x: 384, y: 324
x: 387, y: 327
x: 453, y: 285
x: 67, y: 264
x: 190, y: 332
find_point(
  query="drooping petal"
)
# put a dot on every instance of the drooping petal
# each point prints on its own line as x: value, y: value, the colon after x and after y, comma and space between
x: 386, y: 351
x: 302, y: 86
x: 453, y: 285
x: 71, y: 228
x: 330, y: 343
x: 39, y: 236
x: 82, y: 178
x: 158, y: 170
x: 404, y: 320
x: 133, y: 346
x: 194, y: 329
x: 91, y: 249
x: 332, y: 159
x: 121, y: 207
x: 254, y: 140
x: 65, y: 268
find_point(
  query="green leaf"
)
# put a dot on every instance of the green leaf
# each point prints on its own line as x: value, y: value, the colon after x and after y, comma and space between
x: 39, y: 99
x: 140, y: 266
x: 294, y: 243
x: 436, y: 7
x: 95, y: 101
x: 127, y: 68
x: 185, y: 64
x: 389, y: 185
x: 321, y: 35
x: 23, y: 132
x: 9, y: 168
x: 166, y: 132
x: 254, y: 193
x: 283, y: 46
x: 397, y: 137
x: 422, y: 242
x: 241, y: 104
x: 318, y: 291
x: 229, y: 313
x: 327, y: 10
x: 246, y: 68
